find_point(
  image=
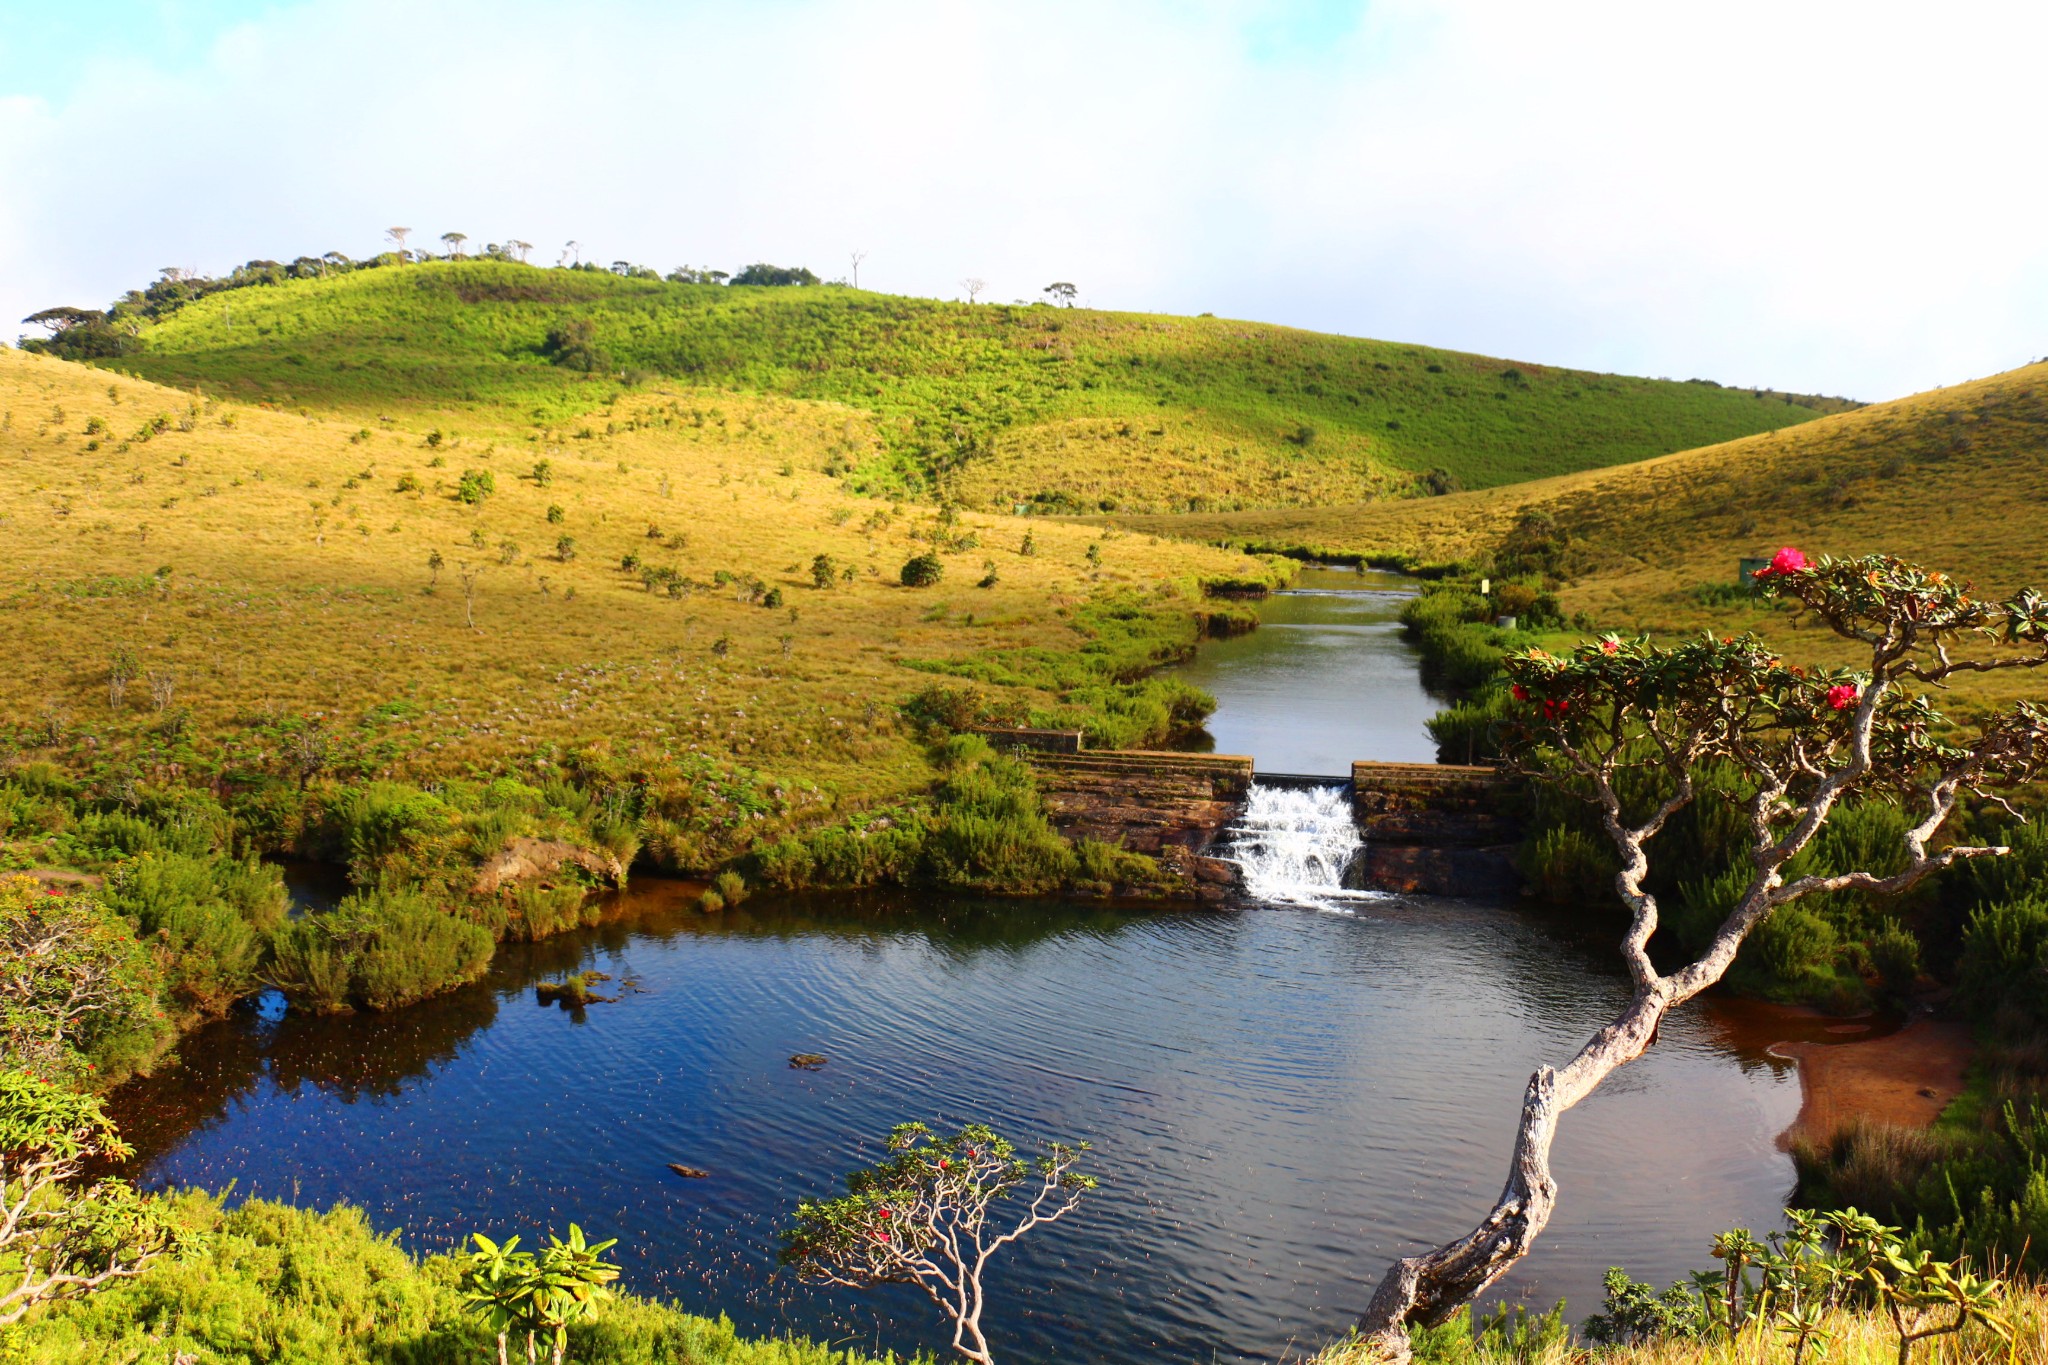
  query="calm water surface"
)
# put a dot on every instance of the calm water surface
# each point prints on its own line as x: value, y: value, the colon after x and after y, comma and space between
x: 1325, y: 680
x: 1281, y: 1102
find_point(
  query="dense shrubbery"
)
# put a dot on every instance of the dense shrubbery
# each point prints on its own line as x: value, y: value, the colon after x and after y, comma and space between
x: 268, y: 1282
x: 205, y: 922
x: 1978, y: 1181
x: 1452, y: 624
x: 984, y: 829
x: 208, y: 917
x: 377, y: 950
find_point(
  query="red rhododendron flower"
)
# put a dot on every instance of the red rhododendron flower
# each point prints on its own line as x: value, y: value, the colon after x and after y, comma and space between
x: 1787, y: 560
x: 1842, y: 696
x: 1609, y: 647
x: 1553, y: 709
x: 1521, y: 692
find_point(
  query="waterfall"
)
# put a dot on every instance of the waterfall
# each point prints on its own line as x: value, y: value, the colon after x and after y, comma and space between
x: 1293, y: 845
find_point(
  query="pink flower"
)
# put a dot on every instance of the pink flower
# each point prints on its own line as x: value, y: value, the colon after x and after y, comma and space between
x: 1786, y: 561
x: 1609, y: 647
x: 1842, y: 696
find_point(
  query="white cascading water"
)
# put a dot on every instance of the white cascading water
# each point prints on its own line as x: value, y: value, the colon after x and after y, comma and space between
x: 1293, y: 845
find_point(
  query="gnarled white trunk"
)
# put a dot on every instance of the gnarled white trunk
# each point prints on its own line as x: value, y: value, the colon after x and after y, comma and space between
x: 1426, y: 1289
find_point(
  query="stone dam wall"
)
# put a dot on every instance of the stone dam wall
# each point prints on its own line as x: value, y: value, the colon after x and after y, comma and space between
x: 1430, y: 828
x: 1435, y: 829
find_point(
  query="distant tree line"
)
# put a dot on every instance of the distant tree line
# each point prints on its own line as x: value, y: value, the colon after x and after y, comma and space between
x: 90, y: 334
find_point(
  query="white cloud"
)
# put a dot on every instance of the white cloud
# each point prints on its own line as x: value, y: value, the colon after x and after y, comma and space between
x: 1835, y: 197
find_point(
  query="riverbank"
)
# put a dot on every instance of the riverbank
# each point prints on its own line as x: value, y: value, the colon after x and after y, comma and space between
x: 1876, y: 1068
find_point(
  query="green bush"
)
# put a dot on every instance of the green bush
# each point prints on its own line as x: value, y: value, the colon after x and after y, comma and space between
x: 2004, y: 965
x: 210, y: 918
x: 377, y: 950
x: 538, y: 912
x: 1464, y: 731
x: 475, y: 485
x: 1895, y: 956
x: 1567, y: 866
x: 56, y: 950
x: 388, y: 832
x: 922, y: 571
x: 269, y: 1284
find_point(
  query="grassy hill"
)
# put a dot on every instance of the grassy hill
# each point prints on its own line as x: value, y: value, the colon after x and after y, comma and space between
x: 649, y: 590
x: 997, y: 405
x: 1956, y: 477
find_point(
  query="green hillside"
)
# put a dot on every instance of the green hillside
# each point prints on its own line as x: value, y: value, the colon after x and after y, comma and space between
x: 1956, y: 478
x: 995, y: 405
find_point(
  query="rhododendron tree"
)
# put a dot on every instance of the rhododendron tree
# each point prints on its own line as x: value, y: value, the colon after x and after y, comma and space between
x: 928, y: 1216
x: 1613, y: 712
x: 59, y: 1240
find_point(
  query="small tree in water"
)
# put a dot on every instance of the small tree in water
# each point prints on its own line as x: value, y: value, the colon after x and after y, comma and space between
x: 1626, y: 725
x: 923, y: 1217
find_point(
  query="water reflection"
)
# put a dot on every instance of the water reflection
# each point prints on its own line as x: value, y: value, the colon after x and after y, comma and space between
x: 1281, y: 1103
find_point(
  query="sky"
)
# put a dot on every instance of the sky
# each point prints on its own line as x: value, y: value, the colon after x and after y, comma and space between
x: 1836, y: 198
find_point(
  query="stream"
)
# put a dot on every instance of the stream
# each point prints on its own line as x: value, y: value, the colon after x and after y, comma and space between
x: 1282, y: 1098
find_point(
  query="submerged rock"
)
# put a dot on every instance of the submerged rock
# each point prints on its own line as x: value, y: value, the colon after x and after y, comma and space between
x: 689, y: 1172
x: 809, y: 1061
x: 573, y: 992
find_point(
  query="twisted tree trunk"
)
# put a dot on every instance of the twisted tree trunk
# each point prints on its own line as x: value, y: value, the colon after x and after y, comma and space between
x: 1426, y: 1289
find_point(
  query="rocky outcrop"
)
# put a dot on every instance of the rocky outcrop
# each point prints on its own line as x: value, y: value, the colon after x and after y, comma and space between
x: 1209, y: 880
x: 529, y: 860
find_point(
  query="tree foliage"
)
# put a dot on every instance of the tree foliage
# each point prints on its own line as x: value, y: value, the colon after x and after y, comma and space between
x: 77, y: 992
x: 59, y: 1241
x: 517, y: 1293
x: 760, y: 272
x: 927, y: 1216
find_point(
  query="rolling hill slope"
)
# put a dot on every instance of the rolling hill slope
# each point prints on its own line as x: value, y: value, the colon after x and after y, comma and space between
x: 995, y: 405
x: 1956, y: 478
x: 188, y: 582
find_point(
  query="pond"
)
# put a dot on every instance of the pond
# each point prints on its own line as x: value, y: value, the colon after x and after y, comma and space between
x: 1281, y: 1099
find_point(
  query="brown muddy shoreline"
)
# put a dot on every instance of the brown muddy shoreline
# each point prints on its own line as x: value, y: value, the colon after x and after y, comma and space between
x: 1888, y: 1069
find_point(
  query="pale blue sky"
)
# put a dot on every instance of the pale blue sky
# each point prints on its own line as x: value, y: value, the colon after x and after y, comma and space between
x: 46, y: 48
x: 1826, y: 195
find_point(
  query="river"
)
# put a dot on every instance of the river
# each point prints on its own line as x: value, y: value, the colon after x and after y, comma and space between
x: 1281, y: 1099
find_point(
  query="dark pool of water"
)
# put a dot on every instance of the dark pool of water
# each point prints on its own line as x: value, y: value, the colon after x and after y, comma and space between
x: 1324, y: 681
x: 1281, y: 1102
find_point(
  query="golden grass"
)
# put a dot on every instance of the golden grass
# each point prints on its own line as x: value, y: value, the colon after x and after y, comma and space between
x: 1956, y: 478
x: 1113, y: 463
x: 1855, y: 1338
x: 299, y: 580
